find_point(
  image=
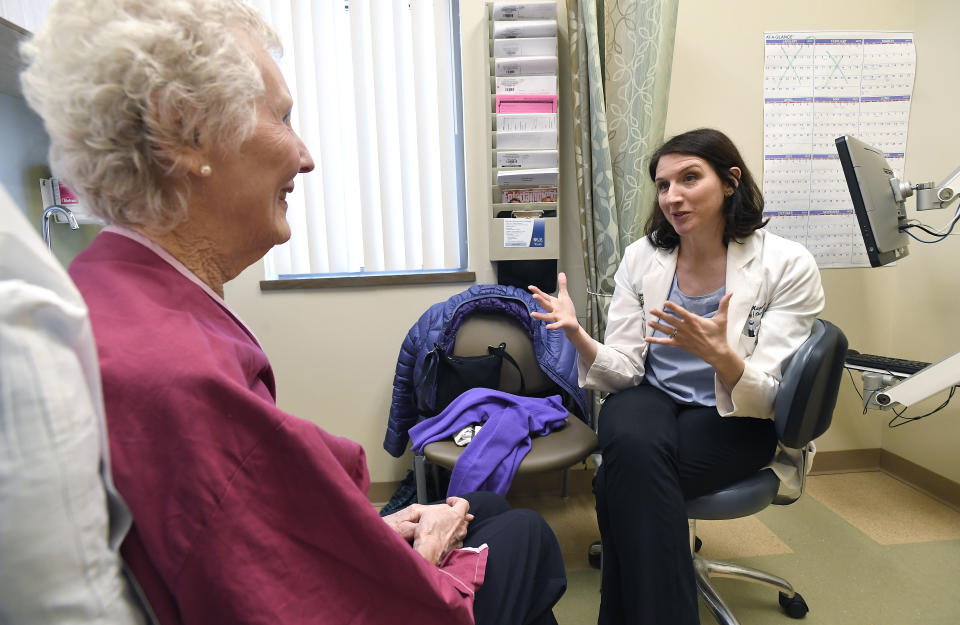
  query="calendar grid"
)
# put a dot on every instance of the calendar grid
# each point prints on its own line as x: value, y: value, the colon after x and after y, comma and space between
x: 818, y: 86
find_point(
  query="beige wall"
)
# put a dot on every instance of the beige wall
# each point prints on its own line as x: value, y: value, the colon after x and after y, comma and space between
x: 910, y: 310
x: 926, y: 322
x: 334, y: 351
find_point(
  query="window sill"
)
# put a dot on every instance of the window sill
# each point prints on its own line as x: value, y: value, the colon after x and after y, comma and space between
x: 335, y: 282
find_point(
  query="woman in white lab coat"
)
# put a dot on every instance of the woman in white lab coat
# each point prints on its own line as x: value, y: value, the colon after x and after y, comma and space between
x: 706, y: 308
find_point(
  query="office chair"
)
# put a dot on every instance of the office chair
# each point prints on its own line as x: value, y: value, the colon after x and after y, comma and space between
x: 559, y: 450
x: 802, y: 411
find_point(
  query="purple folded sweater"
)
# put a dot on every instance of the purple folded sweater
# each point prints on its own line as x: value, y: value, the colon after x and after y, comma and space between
x: 491, y: 459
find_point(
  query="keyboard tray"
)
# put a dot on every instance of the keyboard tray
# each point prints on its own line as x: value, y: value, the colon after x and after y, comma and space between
x: 884, y: 364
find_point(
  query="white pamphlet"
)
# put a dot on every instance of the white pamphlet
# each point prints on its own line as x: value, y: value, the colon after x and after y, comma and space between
x: 519, y: 122
x: 534, y: 139
x: 545, y: 175
x: 530, y: 159
x: 526, y: 85
x: 525, y: 66
x: 524, y: 10
x: 536, y: 46
x: 524, y: 28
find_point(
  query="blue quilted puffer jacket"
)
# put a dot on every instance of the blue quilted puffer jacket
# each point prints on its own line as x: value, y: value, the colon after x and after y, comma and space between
x: 439, y: 324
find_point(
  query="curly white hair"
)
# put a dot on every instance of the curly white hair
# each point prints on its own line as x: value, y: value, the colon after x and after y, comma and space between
x: 124, y: 86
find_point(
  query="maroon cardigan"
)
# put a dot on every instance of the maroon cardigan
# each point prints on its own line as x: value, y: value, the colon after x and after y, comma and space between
x: 242, y: 512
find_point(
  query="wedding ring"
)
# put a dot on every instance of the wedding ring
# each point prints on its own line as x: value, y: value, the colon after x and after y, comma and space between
x: 673, y: 335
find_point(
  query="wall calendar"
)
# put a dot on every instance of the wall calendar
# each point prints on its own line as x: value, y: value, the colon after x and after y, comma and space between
x: 818, y: 86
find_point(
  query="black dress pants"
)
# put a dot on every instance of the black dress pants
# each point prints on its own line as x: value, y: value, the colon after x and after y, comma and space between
x: 525, y: 576
x: 656, y: 455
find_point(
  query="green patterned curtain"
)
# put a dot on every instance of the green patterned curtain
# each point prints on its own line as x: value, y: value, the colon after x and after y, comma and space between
x: 620, y: 72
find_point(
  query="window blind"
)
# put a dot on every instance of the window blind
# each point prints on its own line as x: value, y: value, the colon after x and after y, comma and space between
x: 375, y: 89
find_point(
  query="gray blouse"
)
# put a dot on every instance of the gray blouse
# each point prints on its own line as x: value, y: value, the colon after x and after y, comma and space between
x: 680, y: 374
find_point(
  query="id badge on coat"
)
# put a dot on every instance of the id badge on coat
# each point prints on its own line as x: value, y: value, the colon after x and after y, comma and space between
x: 752, y: 326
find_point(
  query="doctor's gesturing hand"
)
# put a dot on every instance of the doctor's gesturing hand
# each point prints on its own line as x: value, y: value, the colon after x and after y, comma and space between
x: 562, y: 315
x: 705, y: 337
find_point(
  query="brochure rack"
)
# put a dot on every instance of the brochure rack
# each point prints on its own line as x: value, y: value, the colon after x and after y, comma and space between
x: 524, y: 156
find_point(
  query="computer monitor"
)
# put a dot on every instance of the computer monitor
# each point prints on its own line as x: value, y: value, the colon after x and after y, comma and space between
x: 879, y: 213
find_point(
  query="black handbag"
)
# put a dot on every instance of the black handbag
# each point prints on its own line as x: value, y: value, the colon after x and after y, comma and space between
x: 445, y: 377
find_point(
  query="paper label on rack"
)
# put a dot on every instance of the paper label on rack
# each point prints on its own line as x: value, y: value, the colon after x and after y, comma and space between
x: 524, y: 232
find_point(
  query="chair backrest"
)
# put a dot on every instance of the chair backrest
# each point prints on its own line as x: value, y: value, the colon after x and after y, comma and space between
x: 480, y: 330
x: 808, y: 391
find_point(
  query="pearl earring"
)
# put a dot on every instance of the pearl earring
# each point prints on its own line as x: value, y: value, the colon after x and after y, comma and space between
x: 205, y: 171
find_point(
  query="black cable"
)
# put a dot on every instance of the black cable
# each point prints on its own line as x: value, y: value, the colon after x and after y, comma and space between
x: 859, y: 394
x: 940, y: 236
x: 854, y: 383
x: 906, y: 420
x: 923, y: 227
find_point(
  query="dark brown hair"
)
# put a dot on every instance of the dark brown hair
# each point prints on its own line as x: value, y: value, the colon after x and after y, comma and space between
x: 743, y: 210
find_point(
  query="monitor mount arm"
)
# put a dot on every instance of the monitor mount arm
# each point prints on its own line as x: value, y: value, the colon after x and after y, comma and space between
x: 929, y: 196
x: 881, y: 391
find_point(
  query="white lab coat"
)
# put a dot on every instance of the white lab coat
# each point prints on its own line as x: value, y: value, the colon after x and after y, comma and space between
x: 61, y: 521
x: 776, y: 297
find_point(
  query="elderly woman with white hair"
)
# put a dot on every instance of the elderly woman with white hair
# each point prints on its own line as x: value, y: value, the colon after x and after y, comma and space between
x: 171, y: 120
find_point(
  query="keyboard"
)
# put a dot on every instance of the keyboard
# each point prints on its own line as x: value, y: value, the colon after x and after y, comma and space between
x: 884, y: 364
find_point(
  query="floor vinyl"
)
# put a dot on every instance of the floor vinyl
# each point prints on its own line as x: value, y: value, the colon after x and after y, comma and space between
x: 862, y: 548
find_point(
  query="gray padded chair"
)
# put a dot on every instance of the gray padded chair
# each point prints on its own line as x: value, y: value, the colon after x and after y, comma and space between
x: 557, y: 451
x: 802, y: 412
